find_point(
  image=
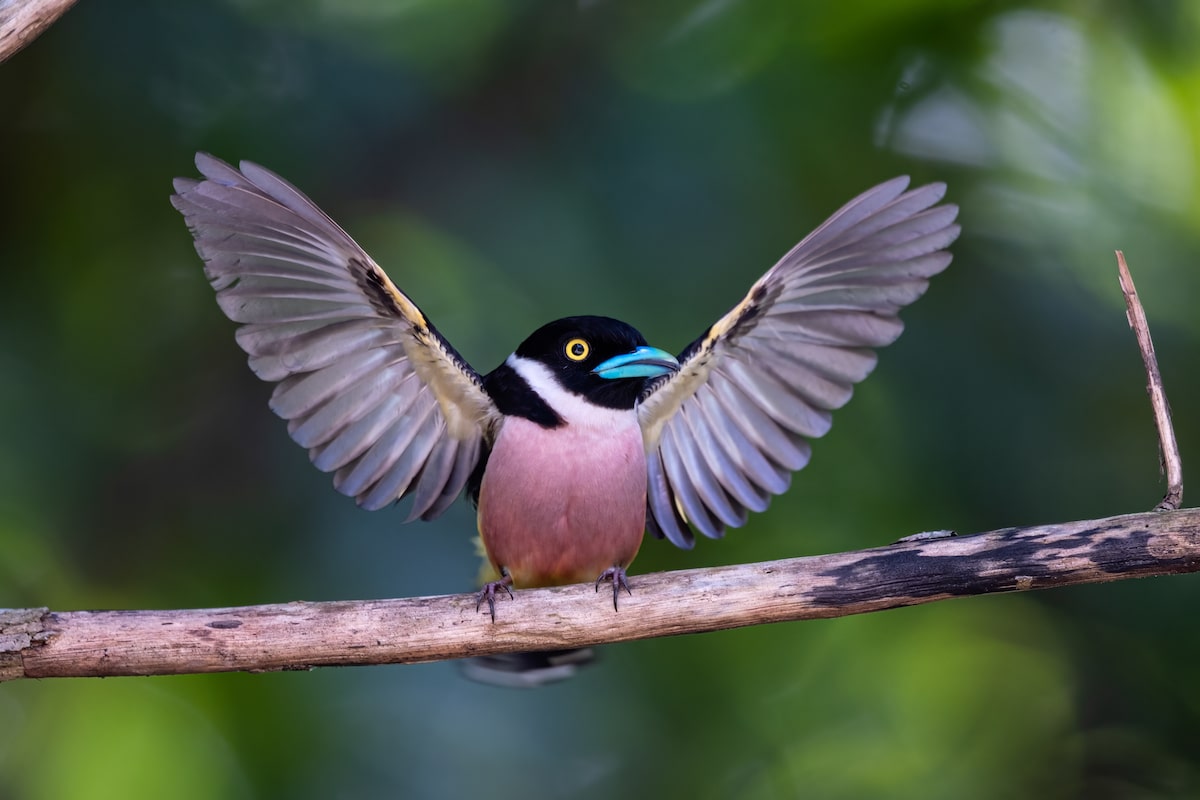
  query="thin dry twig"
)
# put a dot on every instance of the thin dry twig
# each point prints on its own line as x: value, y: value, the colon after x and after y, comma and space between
x: 1172, y: 464
x: 37, y: 643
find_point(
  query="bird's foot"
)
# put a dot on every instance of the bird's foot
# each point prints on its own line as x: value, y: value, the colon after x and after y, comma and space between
x: 489, y: 592
x: 616, y: 574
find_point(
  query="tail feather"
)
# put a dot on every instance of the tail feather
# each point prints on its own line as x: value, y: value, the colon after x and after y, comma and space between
x: 527, y: 670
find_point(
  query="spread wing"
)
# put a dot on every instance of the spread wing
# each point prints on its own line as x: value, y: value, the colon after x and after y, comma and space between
x: 364, y: 380
x: 726, y: 432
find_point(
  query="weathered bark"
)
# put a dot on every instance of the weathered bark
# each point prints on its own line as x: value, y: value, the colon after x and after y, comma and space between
x: 38, y: 643
x: 22, y: 21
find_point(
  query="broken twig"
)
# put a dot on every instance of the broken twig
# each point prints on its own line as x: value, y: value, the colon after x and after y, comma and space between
x: 1168, y: 448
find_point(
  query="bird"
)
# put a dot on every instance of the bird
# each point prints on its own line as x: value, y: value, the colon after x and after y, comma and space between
x: 585, y: 437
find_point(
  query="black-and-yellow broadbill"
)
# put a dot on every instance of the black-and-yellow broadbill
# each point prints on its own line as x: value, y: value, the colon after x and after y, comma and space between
x: 584, y: 437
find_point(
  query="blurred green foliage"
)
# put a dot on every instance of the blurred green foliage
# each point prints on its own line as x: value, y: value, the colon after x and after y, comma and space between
x: 512, y: 162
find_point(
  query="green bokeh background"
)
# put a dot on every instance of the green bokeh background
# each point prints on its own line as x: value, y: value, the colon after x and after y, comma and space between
x: 512, y: 162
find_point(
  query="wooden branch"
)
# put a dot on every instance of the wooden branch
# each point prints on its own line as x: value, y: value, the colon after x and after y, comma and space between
x: 22, y: 21
x: 38, y: 643
x: 1172, y: 464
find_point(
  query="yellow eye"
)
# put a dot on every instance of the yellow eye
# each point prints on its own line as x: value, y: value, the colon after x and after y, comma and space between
x: 577, y: 349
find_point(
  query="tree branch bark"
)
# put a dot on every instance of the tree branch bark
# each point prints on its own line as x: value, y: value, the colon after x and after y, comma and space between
x: 22, y: 21
x: 38, y: 643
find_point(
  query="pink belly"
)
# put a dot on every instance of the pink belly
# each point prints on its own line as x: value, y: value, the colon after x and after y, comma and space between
x: 561, y: 506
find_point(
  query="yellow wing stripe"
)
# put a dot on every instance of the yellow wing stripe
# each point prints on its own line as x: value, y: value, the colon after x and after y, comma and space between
x: 385, y: 296
x: 663, y: 404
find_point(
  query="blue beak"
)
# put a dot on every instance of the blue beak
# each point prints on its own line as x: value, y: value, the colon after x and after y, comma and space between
x: 644, y: 362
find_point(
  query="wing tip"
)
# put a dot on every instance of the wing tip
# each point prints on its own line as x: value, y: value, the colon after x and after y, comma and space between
x: 217, y: 170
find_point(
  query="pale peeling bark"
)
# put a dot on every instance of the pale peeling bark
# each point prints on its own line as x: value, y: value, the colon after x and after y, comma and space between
x: 37, y: 643
x: 22, y: 21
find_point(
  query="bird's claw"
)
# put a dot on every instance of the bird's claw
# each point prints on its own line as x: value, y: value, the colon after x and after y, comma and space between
x: 619, y: 581
x: 488, y: 593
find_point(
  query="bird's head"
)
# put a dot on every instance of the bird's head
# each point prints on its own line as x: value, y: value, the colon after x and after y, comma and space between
x: 605, y: 361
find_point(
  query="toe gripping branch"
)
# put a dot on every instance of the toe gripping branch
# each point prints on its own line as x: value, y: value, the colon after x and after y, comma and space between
x: 490, y: 590
x: 620, y: 581
x: 493, y: 589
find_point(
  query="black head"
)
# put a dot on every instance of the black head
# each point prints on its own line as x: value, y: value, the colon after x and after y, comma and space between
x: 602, y: 360
x: 574, y: 347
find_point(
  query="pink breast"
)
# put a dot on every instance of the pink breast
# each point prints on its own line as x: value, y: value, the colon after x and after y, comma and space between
x: 561, y: 506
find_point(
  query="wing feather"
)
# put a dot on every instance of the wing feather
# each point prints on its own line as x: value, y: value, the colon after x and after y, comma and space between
x: 750, y: 459
x: 408, y: 463
x: 762, y: 432
x: 310, y: 350
x: 366, y: 382
x: 705, y: 475
x: 352, y: 441
x: 725, y: 460
x: 677, y: 458
x: 360, y: 478
x: 465, y: 458
x: 663, y: 518
x: 726, y: 431
x: 346, y: 408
